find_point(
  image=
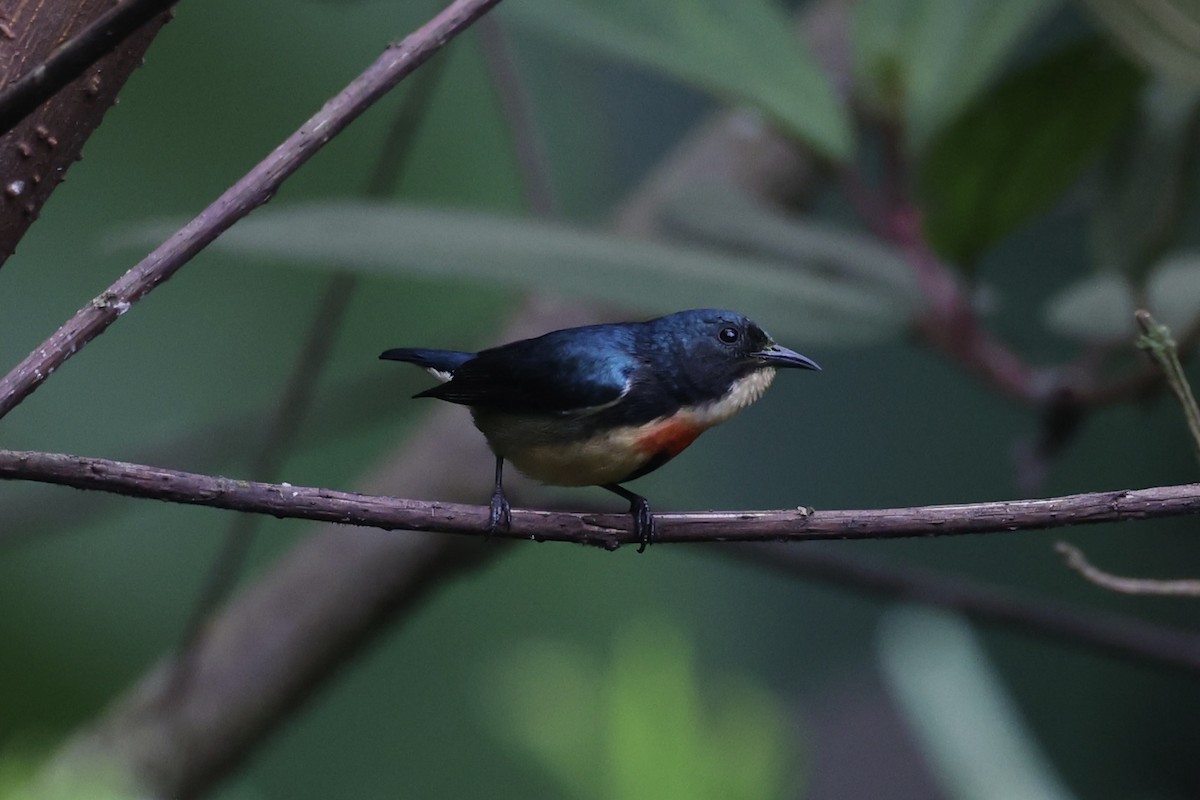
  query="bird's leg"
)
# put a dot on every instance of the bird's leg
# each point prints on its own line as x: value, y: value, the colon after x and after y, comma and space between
x: 501, y: 511
x: 639, y: 509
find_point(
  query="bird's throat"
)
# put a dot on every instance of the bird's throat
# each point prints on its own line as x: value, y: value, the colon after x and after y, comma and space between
x: 741, y: 393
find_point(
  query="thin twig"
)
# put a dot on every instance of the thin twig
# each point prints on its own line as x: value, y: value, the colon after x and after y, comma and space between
x: 251, y: 191
x: 68, y: 61
x: 605, y: 530
x: 1115, y: 634
x: 1156, y: 340
x: 1077, y: 561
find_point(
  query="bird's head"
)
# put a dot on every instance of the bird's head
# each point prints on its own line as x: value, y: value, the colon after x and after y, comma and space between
x: 710, y: 353
x: 725, y: 339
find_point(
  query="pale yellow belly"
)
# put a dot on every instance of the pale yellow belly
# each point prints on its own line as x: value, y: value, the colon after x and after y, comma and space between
x: 593, y: 462
x: 533, y: 449
x: 535, y: 446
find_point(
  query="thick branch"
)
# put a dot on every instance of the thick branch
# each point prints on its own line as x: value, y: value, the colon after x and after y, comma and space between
x: 252, y: 191
x: 70, y: 60
x: 605, y: 530
x: 36, y: 154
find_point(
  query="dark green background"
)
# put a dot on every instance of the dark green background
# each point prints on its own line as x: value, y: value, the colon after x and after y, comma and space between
x: 93, y: 599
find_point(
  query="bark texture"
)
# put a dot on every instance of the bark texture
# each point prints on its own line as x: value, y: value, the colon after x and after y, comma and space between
x: 36, y: 154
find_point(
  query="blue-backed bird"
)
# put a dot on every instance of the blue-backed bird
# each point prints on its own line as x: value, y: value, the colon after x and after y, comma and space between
x: 601, y: 405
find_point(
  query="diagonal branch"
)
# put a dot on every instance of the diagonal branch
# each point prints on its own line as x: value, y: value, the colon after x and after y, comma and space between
x: 253, y: 190
x: 604, y: 530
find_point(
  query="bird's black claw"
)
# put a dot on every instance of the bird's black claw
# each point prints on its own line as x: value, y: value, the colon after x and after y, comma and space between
x: 501, y: 512
x: 643, y: 522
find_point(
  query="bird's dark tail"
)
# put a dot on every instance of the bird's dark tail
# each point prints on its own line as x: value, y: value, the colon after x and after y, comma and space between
x: 443, y: 361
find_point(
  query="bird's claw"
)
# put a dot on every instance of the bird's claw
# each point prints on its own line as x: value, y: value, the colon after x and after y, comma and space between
x: 500, y: 513
x: 643, y: 522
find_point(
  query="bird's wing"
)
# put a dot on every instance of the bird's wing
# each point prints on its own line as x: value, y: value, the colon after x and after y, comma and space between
x: 552, y: 374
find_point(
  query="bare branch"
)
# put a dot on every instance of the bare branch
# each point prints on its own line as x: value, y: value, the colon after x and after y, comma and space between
x: 1077, y: 561
x: 1114, y: 634
x: 253, y: 190
x: 604, y: 530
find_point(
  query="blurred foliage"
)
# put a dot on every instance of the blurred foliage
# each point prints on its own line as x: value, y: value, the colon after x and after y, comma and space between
x: 1013, y: 151
x: 742, y: 49
x: 920, y: 62
x: 1160, y: 33
x: 22, y: 778
x: 1057, y: 178
x: 970, y: 730
x: 1147, y: 181
x: 1100, y: 308
x: 639, y: 727
x: 816, y: 301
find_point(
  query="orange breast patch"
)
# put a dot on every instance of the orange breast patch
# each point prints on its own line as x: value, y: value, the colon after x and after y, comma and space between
x: 671, y: 436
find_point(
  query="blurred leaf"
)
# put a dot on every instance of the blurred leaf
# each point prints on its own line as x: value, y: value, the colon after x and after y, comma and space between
x: 27, y: 777
x: 793, y: 302
x: 922, y: 61
x: 970, y: 730
x: 1014, y: 151
x: 724, y: 217
x: 1173, y: 291
x: 640, y: 728
x: 744, y: 50
x: 562, y: 735
x: 1148, y: 181
x: 1097, y: 309
x: 1161, y: 34
x: 750, y: 739
x: 655, y: 732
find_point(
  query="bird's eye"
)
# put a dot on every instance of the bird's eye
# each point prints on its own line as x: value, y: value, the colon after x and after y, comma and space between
x: 729, y: 335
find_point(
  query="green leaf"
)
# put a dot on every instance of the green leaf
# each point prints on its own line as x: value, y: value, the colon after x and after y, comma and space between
x: 1161, y: 34
x: 922, y: 61
x: 1173, y: 291
x: 968, y: 727
x: 723, y: 217
x: 742, y: 50
x: 791, y: 301
x: 1147, y: 182
x: 1014, y: 151
x: 1098, y: 309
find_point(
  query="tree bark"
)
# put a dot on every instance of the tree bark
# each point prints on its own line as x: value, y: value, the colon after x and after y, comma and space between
x: 36, y: 154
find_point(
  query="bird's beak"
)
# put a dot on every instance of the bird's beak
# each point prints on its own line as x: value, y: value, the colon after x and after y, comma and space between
x: 779, y: 356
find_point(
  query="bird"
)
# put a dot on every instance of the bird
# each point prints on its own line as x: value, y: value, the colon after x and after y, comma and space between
x: 602, y: 405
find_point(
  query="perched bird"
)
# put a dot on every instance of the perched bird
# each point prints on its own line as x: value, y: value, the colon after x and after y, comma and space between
x: 601, y: 405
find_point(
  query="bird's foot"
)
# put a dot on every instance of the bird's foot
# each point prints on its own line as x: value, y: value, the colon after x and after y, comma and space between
x: 643, y: 522
x: 500, y: 514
